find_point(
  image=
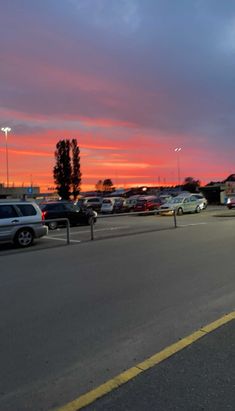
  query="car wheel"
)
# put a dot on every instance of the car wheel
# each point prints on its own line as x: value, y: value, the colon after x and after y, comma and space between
x: 198, y: 209
x: 53, y: 225
x: 24, y: 237
x: 180, y: 211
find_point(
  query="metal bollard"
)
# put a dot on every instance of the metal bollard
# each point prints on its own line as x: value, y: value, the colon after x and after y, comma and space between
x: 92, y: 228
x: 68, y: 232
x: 175, y: 222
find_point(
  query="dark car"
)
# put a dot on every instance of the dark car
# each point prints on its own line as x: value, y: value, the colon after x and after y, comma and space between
x: 91, y: 202
x: 76, y: 215
x: 147, y: 203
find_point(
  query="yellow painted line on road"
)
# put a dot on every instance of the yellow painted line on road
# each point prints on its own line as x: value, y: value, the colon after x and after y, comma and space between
x: 131, y: 373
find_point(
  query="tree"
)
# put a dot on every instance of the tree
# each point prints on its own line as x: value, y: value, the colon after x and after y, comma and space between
x: 190, y: 184
x: 76, y: 173
x: 107, y: 184
x: 99, y: 185
x: 62, y: 169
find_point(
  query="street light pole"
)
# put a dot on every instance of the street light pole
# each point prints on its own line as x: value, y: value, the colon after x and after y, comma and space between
x: 6, y: 130
x: 177, y: 150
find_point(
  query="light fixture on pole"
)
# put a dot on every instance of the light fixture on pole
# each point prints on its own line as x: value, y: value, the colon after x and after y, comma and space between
x: 6, y: 130
x: 177, y: 150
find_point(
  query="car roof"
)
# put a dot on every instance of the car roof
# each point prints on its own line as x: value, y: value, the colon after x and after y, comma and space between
x: 150, y: 197
x: 16, y: 202
x: 91, y: 198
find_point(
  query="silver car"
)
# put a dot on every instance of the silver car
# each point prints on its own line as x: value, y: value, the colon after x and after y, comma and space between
x: 181, y: 204
x: 20, y: 222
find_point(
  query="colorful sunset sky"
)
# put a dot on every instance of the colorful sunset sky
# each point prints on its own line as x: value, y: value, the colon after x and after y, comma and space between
x: 131, y: 80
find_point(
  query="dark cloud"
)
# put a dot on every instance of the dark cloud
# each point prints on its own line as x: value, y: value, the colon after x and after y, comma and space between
x: 160, y: 64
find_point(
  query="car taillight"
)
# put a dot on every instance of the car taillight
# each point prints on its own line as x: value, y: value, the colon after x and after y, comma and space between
x: 44, y: 213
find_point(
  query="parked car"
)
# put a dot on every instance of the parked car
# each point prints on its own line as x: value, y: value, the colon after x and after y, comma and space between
x: 231, y: 202
x: 112, y: 205
x: 20, y: 222
x: 61, y: 209
x: 129, y: 203
x: 147, y: 203
x: 181, y: 204
x: 92, y: 202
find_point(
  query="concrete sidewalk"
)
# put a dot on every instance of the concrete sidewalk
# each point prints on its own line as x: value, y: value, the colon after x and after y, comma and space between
x: 199, y: 377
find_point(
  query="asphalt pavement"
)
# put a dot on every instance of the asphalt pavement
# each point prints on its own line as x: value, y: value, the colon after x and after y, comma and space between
x: 200, y: 377
x: 76, y: 316
x: 111, y: 226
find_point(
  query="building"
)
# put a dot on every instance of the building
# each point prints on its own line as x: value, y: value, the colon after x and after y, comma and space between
x: 18, y: 192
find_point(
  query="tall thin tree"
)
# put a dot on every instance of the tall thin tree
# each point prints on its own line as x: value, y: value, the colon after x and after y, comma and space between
x: 62, y: 170
x: 76, y: 176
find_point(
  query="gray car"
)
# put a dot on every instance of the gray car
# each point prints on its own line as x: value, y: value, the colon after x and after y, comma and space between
x: 20, y: 222
x: 181, y: 204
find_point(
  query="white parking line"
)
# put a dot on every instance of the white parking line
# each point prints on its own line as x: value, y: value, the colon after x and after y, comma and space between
x: 60, y: 234
x: 61, y: 239
x: 187, y: 225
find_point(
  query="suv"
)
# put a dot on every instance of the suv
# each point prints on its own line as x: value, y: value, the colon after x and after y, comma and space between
x: 62, y: 209
x: 20, y: 222
x: 92, y: 202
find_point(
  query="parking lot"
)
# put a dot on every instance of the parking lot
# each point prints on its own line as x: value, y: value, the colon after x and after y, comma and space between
x: 119, y: 225
x: 73, y: 317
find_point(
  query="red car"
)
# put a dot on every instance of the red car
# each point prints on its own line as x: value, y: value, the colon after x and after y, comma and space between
x: 147, y: 203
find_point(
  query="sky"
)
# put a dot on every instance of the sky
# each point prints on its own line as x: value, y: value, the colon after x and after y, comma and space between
x: 131, y: 80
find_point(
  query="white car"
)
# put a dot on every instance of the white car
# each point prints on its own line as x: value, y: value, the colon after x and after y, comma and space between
x: 20, y: 222
x: 182, y: 204
x: 112, y: 205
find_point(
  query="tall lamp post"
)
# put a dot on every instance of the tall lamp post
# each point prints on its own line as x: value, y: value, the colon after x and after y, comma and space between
x: 177, y: 150
x: 6, y: 130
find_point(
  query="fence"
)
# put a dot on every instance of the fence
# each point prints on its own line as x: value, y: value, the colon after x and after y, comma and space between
x: 92, y: 225
x: 129, y: 214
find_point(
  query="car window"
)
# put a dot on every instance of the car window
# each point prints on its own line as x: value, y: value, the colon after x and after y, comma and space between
x: 71, y: 207
x: 26, y: 209
x: 93, y: 200
x: 7, y: 211
x: 107, y: 201
x: 193, y: 198
x: 176, y: 200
